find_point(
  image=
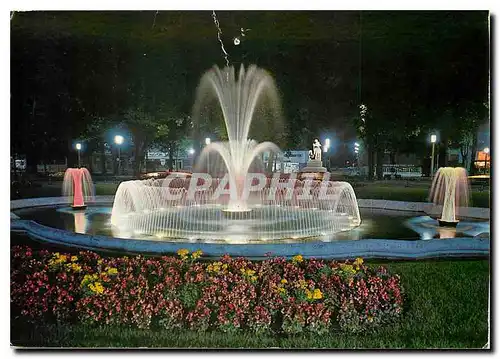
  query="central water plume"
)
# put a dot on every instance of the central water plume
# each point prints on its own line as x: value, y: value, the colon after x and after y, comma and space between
x: 238, y: 96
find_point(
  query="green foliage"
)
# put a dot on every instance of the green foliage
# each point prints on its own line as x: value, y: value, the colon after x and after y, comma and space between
x: 189, y: 295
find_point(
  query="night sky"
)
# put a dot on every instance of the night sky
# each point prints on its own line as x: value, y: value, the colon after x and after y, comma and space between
x: 412, y: 69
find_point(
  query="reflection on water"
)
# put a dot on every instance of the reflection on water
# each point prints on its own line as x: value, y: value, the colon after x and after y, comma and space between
x: 428, y: 228
x: 92, y: 220
x: 447, y: 232
x: 95, y: 220
x: 80, y: 222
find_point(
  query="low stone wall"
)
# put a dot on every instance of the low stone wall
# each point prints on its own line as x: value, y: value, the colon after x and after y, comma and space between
x: 348, y: 249
x: 51, y: 201
x: 425, y: 207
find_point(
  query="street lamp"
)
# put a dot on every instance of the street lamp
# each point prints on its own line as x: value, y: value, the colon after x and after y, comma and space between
x: 78, y: 147
x: 486, y: 151
x: 327, y: 145
x: 118, y: 142
x: 191, y: 151
x: 433, y: 141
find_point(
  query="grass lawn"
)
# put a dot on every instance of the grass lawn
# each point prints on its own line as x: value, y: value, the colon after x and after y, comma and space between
x: 413, y: 194
x: 446, y: 307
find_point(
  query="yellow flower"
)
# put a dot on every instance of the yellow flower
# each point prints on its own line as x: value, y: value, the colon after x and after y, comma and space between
x: 99, y: 288
x: 370, y: 318
x: 76, y: 268
x: 309, y: 294
x: 57, y: 260
x: 197, y: 254
x: 317, y: 294
x: 281, y: 290
x: 297, y: 259
x: 302, y: 284
x: 74, y: 258
x: 358, y: 261
x: 284, y: 281
x: 182, y: 253
x: 99, y: 261
x: 215, y: 267
x: 250, y: 272
x: 96, y: 287
x: 112, y: 271
x: 347, y: 268
x: 88, y: 279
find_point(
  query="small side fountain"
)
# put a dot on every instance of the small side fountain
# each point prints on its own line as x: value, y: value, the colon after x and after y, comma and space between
x: 450, y: 188
x: 78, y: 184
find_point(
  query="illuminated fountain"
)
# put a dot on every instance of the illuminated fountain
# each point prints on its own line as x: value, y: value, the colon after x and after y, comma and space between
x: 450, y: 188
x: 234, y: 208
x: 78, y: 184
x: 237, y: 95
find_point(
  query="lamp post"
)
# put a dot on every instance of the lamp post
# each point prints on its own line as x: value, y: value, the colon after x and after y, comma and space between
x: 433, y: 141
x: 78, y: 147
x: 207, y: 142
x: 118, y: 142
x: 191, y: 152
x: 486, y: 151
x: 356, y: 151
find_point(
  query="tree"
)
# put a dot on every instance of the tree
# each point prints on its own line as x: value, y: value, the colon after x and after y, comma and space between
x: 173, y: 130
x: 144, y: 128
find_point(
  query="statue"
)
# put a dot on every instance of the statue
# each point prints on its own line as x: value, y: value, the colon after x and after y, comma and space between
x: 314, y: 164
x: 317, y: 150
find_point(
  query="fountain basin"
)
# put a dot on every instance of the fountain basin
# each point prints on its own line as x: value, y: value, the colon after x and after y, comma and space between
x: 367, y: 246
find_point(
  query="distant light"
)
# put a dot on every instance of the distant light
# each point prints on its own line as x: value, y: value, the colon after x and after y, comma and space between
x: 237, y: 41
x: 78, y: 146
x: 355, y: 150
x: 191, y: 151
x: 486, y: 150
x: 207, y: 141
x: 327, y: 142
x: 118, y: 139
x: 433, y: 138
x: 356, y: 144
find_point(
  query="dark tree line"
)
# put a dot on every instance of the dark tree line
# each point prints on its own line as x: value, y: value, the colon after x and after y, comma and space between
x: 82, y: 75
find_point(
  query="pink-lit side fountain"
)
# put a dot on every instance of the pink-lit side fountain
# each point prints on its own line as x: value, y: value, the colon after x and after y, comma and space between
x: 78, y: 185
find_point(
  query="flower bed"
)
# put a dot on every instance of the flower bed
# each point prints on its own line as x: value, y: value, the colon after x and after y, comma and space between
x: 231, y: 294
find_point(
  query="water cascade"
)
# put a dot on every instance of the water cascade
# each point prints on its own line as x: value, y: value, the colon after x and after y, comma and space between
x: 450, y: 188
